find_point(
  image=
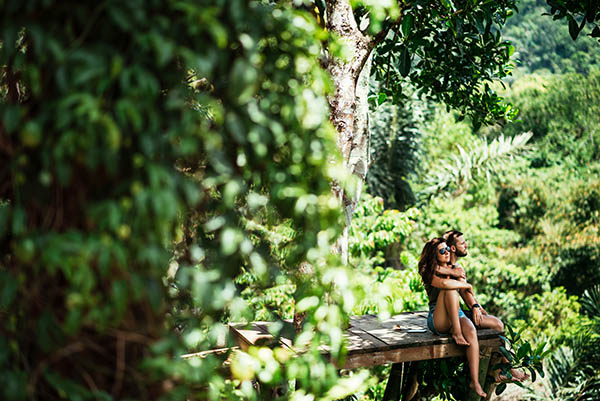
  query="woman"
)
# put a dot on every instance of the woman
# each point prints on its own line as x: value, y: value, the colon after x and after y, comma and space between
x: 445, y: 314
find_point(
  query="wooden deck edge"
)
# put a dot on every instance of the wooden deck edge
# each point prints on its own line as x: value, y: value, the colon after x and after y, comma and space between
x: 420, y: 353
x: 488, y: 334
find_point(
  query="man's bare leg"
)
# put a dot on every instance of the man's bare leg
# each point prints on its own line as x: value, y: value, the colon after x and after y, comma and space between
x: 469, y: 331
x: 492, y: 322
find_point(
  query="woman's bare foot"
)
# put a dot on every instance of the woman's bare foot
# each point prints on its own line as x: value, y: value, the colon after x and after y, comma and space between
x: 460, y: 340
x: 477, y: 388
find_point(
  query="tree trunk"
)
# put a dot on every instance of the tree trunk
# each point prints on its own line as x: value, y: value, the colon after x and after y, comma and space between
x: 349, y: 106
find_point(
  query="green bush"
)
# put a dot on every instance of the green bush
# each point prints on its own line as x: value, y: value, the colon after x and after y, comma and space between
x: 374, y: 229
x: 552, y: 315
x: 382, y: 289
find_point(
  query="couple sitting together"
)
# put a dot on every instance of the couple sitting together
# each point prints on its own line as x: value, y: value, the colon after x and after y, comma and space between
x: 444, y: 280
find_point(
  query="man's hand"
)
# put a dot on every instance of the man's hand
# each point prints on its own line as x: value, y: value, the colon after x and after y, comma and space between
x: 459, y: 273
x: 477, y: 313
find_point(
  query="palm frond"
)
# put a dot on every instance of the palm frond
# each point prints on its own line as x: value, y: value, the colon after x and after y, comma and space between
x: 590, y: 301
x: 560, y: 368
x: 478, y: 161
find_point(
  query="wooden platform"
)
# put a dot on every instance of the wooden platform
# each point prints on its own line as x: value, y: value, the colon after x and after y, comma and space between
x: 401, y: 338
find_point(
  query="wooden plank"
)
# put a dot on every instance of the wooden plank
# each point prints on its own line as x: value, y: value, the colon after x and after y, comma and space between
x: 362, y: 321
x: 390, y: 331
x: 204, y: 354
x: 418, y: 353
x: 403, y: 336
x: 248, y: 336
x: 403, y: 339
x: 359, y: 341
x: 257, y: 334
x: 264, y: 327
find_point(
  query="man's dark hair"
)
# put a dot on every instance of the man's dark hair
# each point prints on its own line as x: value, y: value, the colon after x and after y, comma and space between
x: 451, y: 237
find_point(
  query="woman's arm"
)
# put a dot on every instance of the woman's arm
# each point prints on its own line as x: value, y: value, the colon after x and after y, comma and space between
x: 449, y: 284
x: 457, y: 272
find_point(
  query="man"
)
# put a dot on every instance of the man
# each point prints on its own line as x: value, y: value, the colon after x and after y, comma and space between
x: 458, y: 249
x: 455, y: 240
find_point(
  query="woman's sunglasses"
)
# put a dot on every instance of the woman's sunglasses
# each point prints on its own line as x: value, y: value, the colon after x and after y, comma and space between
x: 444, y: 250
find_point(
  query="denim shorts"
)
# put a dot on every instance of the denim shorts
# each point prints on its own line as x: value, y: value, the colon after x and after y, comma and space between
x: 430, y: 324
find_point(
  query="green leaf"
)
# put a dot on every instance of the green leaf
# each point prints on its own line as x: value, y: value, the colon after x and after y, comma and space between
x: 540, y: 348
x: 444, y: 368
x: 523, y: 350
x: 506, y: 353
x: 573, y: 28
x: 11, y: 117
x: 590, y: 14
x: 404, y: 61
x: 533, y: 375
x: 19, y: 223
x: 447, y: 4
x: 243, y: 81
x: 479, y: 22
x: 407, y: 23
x: 511, y: 332
x: 500, y: 389
x: 8, y: 289
x: 511, y: 50
x: 540, y: 369
x: 31, y: 134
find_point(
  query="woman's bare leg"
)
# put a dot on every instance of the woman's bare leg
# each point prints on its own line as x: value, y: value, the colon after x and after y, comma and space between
x: 470, y: 333
x: 445, y: 315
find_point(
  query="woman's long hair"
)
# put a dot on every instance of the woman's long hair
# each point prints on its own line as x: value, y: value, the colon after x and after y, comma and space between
x: 428, y: 260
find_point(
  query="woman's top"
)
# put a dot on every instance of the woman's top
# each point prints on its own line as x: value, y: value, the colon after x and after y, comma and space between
x: 434, y: 292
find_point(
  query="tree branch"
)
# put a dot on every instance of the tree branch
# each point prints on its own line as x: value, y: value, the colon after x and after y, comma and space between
x: 380, y: 36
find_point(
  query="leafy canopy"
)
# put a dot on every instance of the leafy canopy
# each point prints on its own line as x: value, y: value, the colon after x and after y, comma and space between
x: 449, y: 51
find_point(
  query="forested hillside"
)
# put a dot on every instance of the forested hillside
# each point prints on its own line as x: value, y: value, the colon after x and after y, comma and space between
x: 543, y: 45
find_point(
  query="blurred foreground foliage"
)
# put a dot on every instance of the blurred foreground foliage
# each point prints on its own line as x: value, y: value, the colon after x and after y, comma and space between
x: 141, y: 135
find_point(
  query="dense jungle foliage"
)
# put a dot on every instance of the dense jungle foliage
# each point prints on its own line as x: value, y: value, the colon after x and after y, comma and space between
x: 526, y: 195
x: 166, y: 167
